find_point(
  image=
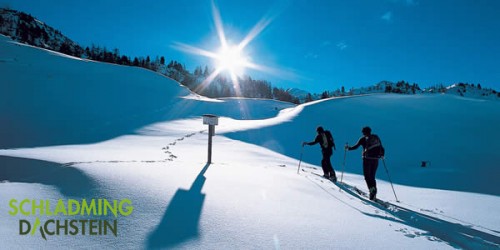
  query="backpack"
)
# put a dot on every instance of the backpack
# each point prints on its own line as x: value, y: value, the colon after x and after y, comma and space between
x: 329, y: 139
x: 374, y: 147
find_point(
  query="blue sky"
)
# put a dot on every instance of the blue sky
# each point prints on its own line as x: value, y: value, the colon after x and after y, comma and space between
x: 315, y: 45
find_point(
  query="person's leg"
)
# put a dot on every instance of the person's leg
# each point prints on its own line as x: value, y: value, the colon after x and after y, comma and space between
x: 366, y: 172
x: 324, y: 164
x: 331, y: 171
x: 370, y: 172
x: 373, y: 173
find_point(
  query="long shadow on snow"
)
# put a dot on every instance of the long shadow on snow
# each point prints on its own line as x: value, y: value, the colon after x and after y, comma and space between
x: 455, y: 234
x: 68, y: 180
x: 181, y: 219
x: 81, y: 118
x: 95, y: 116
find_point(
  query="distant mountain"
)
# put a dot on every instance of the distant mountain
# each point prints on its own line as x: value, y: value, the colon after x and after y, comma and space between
x: 470, y: 90
x: 302, y: 95
x: 402, y: 87
x: 24, y: 28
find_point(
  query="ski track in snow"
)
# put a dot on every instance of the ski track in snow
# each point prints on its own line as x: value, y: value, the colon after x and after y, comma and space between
x: 458, y: 234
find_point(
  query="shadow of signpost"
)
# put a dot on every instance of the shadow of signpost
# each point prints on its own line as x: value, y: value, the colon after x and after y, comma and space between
x: 182, y: 216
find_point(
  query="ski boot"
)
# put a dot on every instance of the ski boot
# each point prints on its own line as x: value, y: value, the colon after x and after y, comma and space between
x: 373, y: 193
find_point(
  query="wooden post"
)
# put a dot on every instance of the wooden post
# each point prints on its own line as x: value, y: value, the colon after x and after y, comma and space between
x: 211, y: 120
x: 211, y: 130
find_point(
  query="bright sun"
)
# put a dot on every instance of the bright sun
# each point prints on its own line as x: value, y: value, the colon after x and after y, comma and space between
x: 229, y: 58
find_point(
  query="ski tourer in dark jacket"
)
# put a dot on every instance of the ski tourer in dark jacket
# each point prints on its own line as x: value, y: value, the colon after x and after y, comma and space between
x: 372, y: 151
x: 325, y: 140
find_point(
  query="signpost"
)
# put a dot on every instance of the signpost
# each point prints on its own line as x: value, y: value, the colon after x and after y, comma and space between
x: 211, y: 121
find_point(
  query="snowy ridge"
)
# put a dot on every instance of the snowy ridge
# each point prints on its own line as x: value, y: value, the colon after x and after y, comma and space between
x: 24, y: 28
x: 472, y: 91
x: 123, y: 132
x: 401, y: 87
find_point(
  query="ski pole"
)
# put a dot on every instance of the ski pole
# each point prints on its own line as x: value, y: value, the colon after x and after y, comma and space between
x: 343, y: 164
x: 387, y: 171
x: 301, y: 151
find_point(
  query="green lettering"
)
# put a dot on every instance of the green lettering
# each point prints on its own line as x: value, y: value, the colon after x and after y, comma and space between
x: 12, y: 204
x: 23, y: 212
x: 60, y: 208
x: 72, y: 202
x: 37, y: 223
x: 34, y: 207
x: 100, y: 206
x: 128, y: 209
x: 47, y: 208
x: 114, y: 208
x: 88, y: 209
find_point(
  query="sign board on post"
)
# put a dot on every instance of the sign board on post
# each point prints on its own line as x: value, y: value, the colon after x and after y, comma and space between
x: 211, y: 121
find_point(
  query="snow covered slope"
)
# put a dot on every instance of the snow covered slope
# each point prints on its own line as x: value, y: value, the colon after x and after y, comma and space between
x: 74, y: 129
x: 456, y: 137
x: 84, y: 101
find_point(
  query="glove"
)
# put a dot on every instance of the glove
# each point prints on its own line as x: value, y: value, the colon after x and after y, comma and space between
x: 346, y: 147
x: 304, y: 143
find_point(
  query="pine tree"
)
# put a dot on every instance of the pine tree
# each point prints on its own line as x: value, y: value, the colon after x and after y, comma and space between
x: 125, y: 60
x: 116, y: 55
x: 147, y: 63
x: 206, y: 72
x: 309, y: 97
x: 198, y: 71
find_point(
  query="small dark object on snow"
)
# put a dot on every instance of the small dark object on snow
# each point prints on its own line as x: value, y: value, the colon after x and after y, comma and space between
x: 425, y: 163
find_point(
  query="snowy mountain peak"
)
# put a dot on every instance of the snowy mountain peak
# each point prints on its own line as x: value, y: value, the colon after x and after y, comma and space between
x: 24, y: 28
x: 473, y: 91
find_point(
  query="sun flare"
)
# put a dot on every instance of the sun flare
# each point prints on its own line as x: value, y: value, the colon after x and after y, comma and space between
x: 230, y: 58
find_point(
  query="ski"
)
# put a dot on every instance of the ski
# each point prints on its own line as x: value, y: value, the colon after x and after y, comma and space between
x: 366, y: 196
x: 353, y: 190
x: 322, y: 176
x: 362, y: 194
